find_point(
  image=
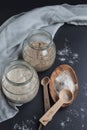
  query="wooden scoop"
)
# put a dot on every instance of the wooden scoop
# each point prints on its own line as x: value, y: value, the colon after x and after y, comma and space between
x: 44, y: 83
x: 65, y: 97
x: 59, y: 70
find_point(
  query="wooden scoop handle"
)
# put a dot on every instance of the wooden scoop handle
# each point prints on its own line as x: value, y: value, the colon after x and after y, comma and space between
x: 51, y: 112
x: 46, y: 102
x: 46, y: 98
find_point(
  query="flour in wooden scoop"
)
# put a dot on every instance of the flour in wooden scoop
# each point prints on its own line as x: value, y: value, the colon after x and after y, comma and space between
x: 64, y: 80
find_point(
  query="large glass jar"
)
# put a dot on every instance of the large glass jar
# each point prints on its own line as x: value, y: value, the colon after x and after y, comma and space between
x: 20, y: 82
x: 39, y: 50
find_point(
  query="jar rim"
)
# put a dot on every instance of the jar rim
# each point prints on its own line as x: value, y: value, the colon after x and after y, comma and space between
x: 37, y: 32
x: 12, y: 66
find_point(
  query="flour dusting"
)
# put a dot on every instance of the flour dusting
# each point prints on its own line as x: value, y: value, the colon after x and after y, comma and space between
x: 67, y: 55
x: 68, y: 119
x: 73, y: 112
x: 78, y: 114
x: 65, y: 122
x: 83, y: 112
x: 62, y: 124
x: 82, y: 125
x: 72, y: 115
x: 82, y: 109
x: 85, y: 89
x: 25, y: 125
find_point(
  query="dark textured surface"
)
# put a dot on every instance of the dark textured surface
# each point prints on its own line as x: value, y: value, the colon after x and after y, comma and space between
x: 73, y: 117
x: 11, y: 7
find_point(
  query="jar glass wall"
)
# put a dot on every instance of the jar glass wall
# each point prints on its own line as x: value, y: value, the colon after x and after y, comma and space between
x: 39, y: 50
x: 20, y: 82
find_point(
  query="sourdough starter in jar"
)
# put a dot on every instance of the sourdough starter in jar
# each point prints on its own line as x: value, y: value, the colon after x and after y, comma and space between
x: 20, y: 82
x: 39, y: 50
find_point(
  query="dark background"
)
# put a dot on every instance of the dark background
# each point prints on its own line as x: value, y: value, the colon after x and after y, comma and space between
x: 77, y: 35
x: 12, y: 7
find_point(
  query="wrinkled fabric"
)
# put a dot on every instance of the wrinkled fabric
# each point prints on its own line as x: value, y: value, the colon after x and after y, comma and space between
x: 17, y: 28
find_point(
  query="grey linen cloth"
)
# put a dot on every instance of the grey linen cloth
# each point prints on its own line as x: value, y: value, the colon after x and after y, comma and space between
x: 17, y: 28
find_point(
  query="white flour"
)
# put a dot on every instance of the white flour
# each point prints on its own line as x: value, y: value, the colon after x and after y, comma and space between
x: 68, y: 119
x: 85, y: 89
x: 66, y: 97
x: 20, y: 93
x: 67, y: 55
x: 64, y: 80
x: 25, y: 125
x: 62, y: 124
x: 82, y: 125
x: 65, y: 122
x: 19, y: 75
x: 75, y: 113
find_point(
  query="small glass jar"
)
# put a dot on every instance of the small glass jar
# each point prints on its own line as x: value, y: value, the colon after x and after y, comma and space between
x: 39, y: 50
x: 20, y: 82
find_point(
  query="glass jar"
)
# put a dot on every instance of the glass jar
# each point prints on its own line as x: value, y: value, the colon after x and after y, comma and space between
x: 20, y: 82
x: 39, y: 50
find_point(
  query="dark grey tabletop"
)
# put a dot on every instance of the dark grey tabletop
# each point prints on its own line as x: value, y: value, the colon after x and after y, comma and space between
x: 74, y: 40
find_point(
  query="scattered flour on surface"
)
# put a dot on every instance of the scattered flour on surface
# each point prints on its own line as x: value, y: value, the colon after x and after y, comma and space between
x: 85, y: 88
x: 62, y: 124
x: 68, y: 119
x: 83, y: 125
x: 67, y: 55
x: 25, y: 125
x: 83, y: 112
x: 66, y: 122
x: 73, y: 112
x: 82, y: 109
x: 78, y: 114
